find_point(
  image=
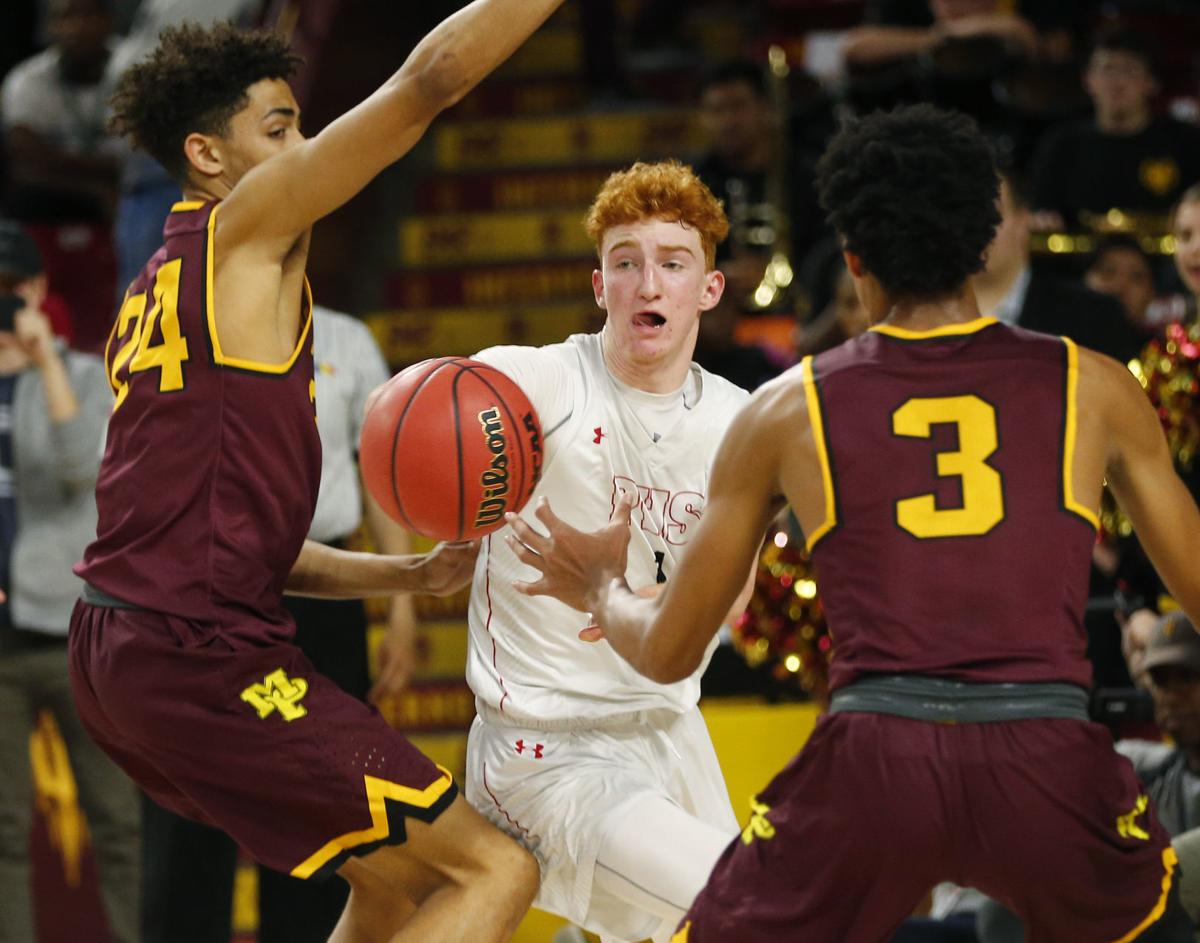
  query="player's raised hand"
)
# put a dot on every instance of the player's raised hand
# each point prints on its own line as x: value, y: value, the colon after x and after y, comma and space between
x: 448, y: 567
x: 573, y: 564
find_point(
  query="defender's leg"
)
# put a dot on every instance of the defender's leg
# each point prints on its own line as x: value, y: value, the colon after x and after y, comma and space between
x: 468, y: 882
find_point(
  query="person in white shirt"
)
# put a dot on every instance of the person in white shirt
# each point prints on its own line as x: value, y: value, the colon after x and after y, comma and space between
x: 608, y: 778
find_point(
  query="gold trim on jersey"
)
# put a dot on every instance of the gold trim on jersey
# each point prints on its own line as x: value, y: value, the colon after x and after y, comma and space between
x: 1070, y: 426
x: 186, y: 206
x: 946, y: 330
x: 379, y: 793
x: 818, y: 430
x: 219, y: 356
x: 1170, y: 860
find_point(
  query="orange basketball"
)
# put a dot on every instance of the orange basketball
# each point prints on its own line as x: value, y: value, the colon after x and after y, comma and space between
x: 448, y: 446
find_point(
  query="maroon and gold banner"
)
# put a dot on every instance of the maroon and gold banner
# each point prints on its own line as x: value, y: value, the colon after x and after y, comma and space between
x: 616, y: 138
x: 520, y: 190
x: 491, y: 285
x: 532, y: 97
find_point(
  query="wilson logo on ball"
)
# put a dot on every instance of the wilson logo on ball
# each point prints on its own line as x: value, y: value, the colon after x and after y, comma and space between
x: 495, y: 477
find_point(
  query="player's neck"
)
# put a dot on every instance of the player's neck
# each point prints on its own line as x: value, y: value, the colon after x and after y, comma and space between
x: 959, y: 308
x: 660, y: 376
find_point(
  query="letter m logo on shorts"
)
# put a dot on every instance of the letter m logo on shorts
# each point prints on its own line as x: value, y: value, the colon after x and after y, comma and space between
x: 278, y: 692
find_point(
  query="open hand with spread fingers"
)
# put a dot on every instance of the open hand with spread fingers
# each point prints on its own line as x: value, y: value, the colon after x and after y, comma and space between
x: 574, y: 565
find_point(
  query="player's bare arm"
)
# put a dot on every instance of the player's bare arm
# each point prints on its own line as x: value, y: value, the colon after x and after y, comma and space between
x: 664, y: 638
x: 331, y: 573
x: 279, y: 200
x: 1141, y: 475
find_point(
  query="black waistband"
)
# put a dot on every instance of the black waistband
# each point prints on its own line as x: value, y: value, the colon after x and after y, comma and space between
x: 919, y: 697
x: 97, y: 597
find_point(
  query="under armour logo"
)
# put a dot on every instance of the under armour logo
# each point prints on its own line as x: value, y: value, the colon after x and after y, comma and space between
x: 536, y: 748
x: 599, y: 430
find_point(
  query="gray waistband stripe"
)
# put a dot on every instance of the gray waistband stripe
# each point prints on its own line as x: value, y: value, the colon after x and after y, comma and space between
x: 919, y: 697
x: 97, y: 597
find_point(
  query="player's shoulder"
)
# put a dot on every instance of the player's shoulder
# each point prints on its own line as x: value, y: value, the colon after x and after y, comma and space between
x: 1103, y: 380
x: 718, y: 391
x: 519, y: 355
x: 779, y: 408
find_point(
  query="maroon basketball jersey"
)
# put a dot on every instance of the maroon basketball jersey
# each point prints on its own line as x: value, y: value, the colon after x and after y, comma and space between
x: 211, y: 469
x: 952, y: 544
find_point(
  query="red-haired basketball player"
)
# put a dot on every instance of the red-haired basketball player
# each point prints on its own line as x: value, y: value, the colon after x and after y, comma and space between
x: 945, y: 468
x: 608, y: 777
x: 180, y: 651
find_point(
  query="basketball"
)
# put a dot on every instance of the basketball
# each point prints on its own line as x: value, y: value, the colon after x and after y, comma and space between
x: 449, y: 446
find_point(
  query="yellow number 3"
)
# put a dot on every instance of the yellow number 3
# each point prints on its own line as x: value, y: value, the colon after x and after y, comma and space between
x: 137, y: 351
x: 982, y: 488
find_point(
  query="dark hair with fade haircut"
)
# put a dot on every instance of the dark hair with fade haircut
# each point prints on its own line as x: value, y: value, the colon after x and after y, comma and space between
x: 912, y: 192
x: 194, y: 81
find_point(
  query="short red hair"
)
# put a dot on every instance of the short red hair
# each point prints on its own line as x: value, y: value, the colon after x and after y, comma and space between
x: 667, y: 190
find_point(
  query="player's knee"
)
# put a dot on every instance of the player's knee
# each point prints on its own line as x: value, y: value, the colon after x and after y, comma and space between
x: 510, y: 865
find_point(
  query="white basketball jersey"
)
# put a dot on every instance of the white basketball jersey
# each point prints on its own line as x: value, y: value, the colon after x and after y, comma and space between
x: 602, y: 439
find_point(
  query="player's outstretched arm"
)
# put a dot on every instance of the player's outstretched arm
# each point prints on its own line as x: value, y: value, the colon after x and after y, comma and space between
x: 330, y: 573
x: 1143, y: 479
x: 281, y: 198
x: 664, y: 638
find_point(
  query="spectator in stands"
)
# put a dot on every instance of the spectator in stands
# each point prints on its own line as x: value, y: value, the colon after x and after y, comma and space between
x: 1123, y: 157
x: 64, y: 170
x: 768, y: 211
x: 1121, y: 268
x: 21, y: 274
x: 1013, y: 290
x: 54, y: 405
x: 1185, y: 227
x: 1171, y: 772
x: 902, y: 30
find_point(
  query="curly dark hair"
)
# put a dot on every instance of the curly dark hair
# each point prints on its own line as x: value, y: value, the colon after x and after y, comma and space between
x: 194, y: 81
x: 913, y: 193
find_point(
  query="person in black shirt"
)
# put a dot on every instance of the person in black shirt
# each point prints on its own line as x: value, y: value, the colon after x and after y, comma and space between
x: 1124, y: 157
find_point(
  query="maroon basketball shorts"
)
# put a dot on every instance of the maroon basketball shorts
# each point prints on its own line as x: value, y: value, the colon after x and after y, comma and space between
x: 1041, y: 814
x: 249, y: 738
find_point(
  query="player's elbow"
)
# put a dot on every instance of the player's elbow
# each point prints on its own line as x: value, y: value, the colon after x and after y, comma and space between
x: 443, y: 79
x: 668, y: 666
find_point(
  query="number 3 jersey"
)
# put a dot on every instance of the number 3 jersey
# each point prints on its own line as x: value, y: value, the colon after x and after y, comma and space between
x: 602, y: 439
x: 952, y: 544
x: 212, y: 464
